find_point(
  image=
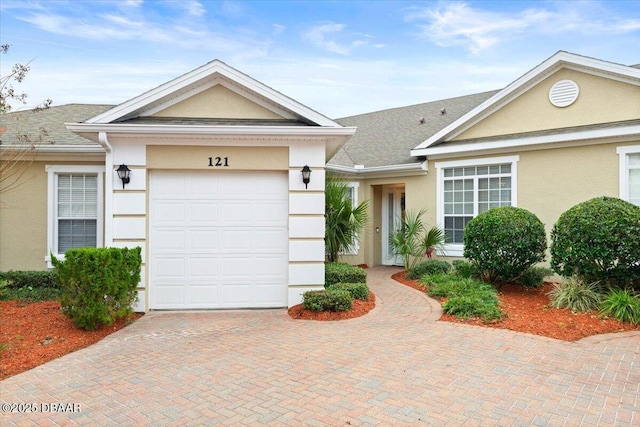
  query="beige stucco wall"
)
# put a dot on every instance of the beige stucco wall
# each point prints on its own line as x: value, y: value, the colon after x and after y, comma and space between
x: 235, y: 158
x: 218, y: 102
x: 23, y: 220
x: 600, y: 100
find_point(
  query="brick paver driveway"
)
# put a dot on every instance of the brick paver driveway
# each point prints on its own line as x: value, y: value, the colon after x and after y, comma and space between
x: 395, y: 366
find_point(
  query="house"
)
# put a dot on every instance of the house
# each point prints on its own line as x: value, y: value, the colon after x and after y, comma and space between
x: 215, y: 195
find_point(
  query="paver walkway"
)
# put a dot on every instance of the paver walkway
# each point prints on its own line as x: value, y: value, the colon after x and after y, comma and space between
x: 395, y: 366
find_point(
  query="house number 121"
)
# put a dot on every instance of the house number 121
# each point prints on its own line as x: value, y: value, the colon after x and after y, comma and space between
x: 219, y: 161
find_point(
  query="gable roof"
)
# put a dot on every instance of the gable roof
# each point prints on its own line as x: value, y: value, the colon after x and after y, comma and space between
x: 385, y: 138
x: 202, y: 78
x: 561, y: 59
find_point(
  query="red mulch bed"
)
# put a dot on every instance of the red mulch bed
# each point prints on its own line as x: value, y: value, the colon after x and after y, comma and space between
x: 528, y: 311
x: 35, y: 333
x: 360, y: 308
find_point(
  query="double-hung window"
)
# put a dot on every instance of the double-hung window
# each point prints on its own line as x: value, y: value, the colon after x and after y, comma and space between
x: 629, y: 158
x: 469, y: 187
x: 74, y: 207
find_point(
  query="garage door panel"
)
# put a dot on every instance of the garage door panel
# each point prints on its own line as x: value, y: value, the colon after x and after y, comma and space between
x: 236, y: 295
x: 169, y: 213
x: 203, y: 213
x: 270, y: 240
x: 203, y: 186
x: 203, y: 241
x: 236, y: 213
x: 170, y: 268
x: 203, y: 268
x: 168, y: 296
x: 270, y: 213
x: 167, y: 241
x: 203, y: 295
x: 172, y: 185
x: 236, y: 240
x: 218, y: 240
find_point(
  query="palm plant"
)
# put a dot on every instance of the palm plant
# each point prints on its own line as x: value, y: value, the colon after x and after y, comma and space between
x: 410, y: 241
x: 343, y: 221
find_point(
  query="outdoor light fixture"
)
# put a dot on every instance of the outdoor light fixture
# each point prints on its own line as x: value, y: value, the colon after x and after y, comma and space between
x: 306, y: 175
x: 123, y: 174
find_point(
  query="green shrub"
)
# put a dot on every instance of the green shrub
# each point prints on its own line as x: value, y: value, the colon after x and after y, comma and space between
x: 31, y: 294
x: 3, y: 288
x: 599, y: 240
x: 98, y: 284
x: 356, y: 290
x: 533, y: 277
x: 35, y: 279
x: 327, y: 300
x: 432, y: 266
x: 341, y: 272
x: 468, y: 306
x: 465, y: 269
x: 504, y: 242
x: 574, y: 294
x: 623, y: 305
x: 466, y: 297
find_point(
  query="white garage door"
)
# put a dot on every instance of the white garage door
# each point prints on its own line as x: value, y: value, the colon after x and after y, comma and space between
x: 218, y: 240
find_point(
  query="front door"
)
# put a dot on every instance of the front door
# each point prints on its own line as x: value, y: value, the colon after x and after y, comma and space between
x: 393, y: 211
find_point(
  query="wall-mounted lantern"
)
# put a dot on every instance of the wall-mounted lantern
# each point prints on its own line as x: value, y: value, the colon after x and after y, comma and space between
x: 123, y: 174
x: 306, y: 175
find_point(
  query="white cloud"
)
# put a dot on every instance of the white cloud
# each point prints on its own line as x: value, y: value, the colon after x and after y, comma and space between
x: 461, y: 24
x: 324, y: 36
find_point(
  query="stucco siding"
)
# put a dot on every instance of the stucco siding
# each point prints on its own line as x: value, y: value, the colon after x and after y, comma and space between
x: 600, y: 100
x: 218, y: 102
x: 23, y: 220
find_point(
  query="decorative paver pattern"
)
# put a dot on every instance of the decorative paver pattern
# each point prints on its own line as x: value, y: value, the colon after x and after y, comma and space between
x: 394, y: 366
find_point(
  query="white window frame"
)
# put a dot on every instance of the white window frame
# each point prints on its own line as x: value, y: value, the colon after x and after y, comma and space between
x: 623, y: 168
x: 52, y: 205
x: 457, y: 249
x: 354, y: 186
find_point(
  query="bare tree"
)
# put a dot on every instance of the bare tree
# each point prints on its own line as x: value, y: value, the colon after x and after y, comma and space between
x: 19, y: 152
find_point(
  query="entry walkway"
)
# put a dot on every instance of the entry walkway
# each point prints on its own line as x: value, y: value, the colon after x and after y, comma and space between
x: 395, y: 366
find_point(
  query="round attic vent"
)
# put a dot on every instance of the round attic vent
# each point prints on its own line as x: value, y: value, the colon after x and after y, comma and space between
x: 564, y: 93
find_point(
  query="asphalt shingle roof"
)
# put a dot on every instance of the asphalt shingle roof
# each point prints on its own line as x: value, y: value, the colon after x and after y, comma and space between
x: 385, y: 137
x: 47, y: 126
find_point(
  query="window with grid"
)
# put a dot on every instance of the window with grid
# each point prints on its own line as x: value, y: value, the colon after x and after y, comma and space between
x: 634, y: 178
x: 76, y: 211
x: 471, y: 190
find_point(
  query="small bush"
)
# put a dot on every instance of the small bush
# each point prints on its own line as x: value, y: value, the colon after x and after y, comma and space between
x: 576, y: 295
x: 3, y: 288
x: 341, y: 272
x: 599, y: 240
x: 623, y: 305
x: 468, y: 306
x: 504, y: 242
x: 432, y: 266
x: 35, y: 279
x: 31, y: 294
x: 465, y: 269
x: 533, y: 277
x: 466, y: 297
x: 98, y: 284
x: 328, y: 300
x: 356, y: 290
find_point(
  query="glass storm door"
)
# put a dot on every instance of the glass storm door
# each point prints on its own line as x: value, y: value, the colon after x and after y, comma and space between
x: 393, y: 208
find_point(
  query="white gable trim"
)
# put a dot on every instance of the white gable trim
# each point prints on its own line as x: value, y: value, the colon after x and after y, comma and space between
x: 202, y: 73
x: 559, y: 60
x: 622, y: 133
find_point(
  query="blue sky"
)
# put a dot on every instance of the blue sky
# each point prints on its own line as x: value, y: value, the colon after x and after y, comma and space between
x: 337, y: 57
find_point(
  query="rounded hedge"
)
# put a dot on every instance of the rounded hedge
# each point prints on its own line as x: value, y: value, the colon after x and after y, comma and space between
x: 504, y: 242
x: 599, y: 240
